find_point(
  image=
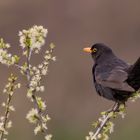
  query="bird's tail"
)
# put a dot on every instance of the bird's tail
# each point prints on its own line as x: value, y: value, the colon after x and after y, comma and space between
x: 134, y: 75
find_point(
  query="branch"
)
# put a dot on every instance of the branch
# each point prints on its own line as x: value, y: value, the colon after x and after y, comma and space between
x: 31, y: 41
x: 9, y: 89
x: 104, y: 126
x: 29, y: 52
x: 114, y: 109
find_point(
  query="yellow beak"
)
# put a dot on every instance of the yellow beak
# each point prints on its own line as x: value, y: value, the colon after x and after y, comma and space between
x: 87, y: 50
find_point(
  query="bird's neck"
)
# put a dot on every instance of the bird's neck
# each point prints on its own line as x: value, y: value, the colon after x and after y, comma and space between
x: 104, y: 58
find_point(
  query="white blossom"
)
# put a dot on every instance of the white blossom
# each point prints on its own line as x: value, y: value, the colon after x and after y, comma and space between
x: 32, y: 115
x: 54, y: 58
x: 44, y: 71
x: 42, y: 88
x: 33, y: 38
x: 18, y: 85
x: 48, y: 137
x: 44, y: 125
x: 9, y: 124
x: 11, y: 108
x: 3, y: 104
x: 37, y: 129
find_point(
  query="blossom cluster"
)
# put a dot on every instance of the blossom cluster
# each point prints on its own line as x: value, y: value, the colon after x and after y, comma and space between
x: 33, y: 38
x: 5, y: 57
x: 135, y: 96
x: 9, y: 89
x: 31, y: 41
x: 36, y: 72
x: 34, y: 116
x: 37, y: 115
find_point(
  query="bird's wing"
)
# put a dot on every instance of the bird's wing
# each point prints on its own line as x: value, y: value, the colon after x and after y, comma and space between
x: 114, y: 79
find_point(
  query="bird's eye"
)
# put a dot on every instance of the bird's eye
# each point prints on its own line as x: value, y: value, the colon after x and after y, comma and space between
x: 94, y: 50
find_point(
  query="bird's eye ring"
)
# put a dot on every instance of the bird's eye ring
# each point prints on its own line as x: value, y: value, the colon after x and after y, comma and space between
x: 94, y: 50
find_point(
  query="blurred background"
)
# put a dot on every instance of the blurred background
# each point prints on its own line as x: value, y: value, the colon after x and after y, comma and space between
x: 71, y: 99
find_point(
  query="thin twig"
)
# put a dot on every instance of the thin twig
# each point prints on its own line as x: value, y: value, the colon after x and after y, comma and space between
x: 18, y: 66
x: 7, y: 110
x: 28, y: 65
x: 29, y: 77
x: 6, y: 117
x: 29, y: 80
x: 99, y: 129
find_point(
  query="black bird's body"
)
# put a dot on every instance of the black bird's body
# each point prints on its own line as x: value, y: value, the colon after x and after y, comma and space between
x: 113, y: 78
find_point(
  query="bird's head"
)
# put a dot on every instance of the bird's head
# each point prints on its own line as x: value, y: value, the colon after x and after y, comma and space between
x: 98, y: 50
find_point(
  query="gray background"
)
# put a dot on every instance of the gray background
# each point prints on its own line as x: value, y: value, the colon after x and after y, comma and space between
x: 72, y: 24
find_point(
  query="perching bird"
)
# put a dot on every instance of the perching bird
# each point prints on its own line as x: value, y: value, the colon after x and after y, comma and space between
x: 113, y: 78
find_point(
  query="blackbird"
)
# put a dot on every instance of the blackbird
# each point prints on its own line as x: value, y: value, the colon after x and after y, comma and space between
x: 113, y: 78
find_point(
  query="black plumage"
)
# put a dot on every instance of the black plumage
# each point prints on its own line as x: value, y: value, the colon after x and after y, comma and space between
x: 113, y: 78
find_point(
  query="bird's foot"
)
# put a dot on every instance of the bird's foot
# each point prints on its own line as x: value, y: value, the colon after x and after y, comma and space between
x: 114, y: 108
